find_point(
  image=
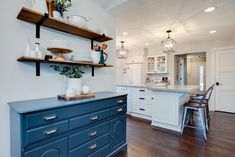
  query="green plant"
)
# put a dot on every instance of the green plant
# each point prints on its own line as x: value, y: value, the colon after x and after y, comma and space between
x: 73, y: 71
x: 63, y: 5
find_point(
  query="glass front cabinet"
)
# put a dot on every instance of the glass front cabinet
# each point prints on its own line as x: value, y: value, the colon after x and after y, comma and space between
x: 157, y: 64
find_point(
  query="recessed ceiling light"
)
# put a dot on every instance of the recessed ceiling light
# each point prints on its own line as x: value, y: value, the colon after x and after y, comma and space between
x: 210, y: 9
x: 146, y: 44
x: 125, y: 33
x: 213, y: 31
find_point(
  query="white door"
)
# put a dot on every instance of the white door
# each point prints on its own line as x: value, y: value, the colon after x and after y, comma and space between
x: 225, y: 76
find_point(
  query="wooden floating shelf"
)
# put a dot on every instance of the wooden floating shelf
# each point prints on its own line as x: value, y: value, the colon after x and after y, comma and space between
x: 38, y: 61
x: 32, y: 16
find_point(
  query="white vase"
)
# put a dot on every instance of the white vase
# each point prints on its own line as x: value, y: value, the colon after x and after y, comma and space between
x: 75, y: 84
x: 95, y: 56
x: 40, y: 6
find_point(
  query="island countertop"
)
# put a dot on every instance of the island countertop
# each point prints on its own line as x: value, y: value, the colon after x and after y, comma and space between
x: 50, y: 103
x: 167, y: 88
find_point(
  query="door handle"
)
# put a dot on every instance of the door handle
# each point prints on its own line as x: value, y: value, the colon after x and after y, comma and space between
x: 217, y: 83
x: 142, y: 98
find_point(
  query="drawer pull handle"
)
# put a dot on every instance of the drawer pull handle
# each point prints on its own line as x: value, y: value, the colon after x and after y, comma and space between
x: 49, y: 132
x: 141, y: 109
x: 50, y: 117
x: 92, y: 146
x: 92, y: 133
x: 94, y: 118
x: 120, y: 101
x: 120, y: 109
x: 142, y: 98
x: 142, y: 90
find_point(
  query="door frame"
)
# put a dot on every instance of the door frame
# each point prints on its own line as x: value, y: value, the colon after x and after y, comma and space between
x: 215, y: 51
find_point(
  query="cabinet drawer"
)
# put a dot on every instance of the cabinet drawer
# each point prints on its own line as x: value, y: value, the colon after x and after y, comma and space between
x: 143, y: 109
x: 118, y: 110
x: 88, y: 135
x: 91, y: 147
x: 121, y: 100
x: 140, y: 91
x: 103, y: 152
x: 47, y: 117
x: 45, y: 132
x: 54, y: 149
x: 89, y: 119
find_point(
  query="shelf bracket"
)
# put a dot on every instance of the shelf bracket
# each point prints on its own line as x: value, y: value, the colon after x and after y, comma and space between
x: 92, y: 71
x: 37, y: 65
x: 92, y: 41
x: 92, y: 44
x: 43, y: 19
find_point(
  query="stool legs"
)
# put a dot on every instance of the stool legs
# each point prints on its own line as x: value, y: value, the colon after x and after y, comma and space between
x: 203, y: 121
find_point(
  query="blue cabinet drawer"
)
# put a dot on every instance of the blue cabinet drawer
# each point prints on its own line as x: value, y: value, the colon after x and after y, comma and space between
x: 54, y: 149
x: 45, y: 117
x: 118, y: 110
x: 80, y: 138
x: 46, y: 132
x: 121, y: 100
x: 103, y: 152
x: 33, y: 120
x: 91, y: 147
x: 89, y: 119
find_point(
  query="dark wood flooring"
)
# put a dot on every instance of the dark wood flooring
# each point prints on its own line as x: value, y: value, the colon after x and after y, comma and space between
x: 146, y: 141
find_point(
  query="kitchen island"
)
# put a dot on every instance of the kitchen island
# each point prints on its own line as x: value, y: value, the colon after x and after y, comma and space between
x: 163, y: 105
x: 57, y: 128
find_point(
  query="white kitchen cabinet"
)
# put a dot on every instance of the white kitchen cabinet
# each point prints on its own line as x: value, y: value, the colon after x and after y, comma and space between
x: 157, y: 64
x: 167, y: 109
x: 126, y: 90
x: 141, y: 103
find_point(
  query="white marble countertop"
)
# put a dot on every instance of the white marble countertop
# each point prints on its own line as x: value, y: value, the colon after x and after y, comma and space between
x: 167, y: 88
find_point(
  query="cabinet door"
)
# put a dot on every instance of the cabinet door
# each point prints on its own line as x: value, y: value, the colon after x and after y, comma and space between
x: 54, y: 149
x: 117, y: 132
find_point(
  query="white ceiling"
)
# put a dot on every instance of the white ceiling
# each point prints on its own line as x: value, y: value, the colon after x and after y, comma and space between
x: 147, y: 20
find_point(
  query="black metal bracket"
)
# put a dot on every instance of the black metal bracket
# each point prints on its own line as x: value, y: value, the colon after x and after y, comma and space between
x: 92, y: 41
x: 43, y: 19
x: 37, y: 64
x: 92, y: 71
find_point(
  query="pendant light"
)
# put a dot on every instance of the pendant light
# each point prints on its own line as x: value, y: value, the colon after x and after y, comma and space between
x: 122, y: 52
x: 168, y: 45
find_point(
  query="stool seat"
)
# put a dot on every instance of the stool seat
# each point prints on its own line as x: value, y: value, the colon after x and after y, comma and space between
x: 194, y: 105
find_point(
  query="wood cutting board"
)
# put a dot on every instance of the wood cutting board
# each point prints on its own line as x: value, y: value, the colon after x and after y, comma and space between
x: 77, y: 97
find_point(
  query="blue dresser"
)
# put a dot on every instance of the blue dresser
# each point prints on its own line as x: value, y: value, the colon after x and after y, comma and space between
x: 94, y: 127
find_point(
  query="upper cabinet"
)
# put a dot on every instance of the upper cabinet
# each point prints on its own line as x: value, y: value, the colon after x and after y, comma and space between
x: 157, y: 64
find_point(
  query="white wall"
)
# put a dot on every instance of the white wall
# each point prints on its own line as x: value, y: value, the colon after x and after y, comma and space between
x: 18, y: 80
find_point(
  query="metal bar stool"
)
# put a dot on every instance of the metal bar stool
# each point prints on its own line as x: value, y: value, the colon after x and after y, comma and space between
x: 200, y: 104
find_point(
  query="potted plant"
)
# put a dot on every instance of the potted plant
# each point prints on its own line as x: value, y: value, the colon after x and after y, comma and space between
x: 74, y: 75
x: 62, y: 6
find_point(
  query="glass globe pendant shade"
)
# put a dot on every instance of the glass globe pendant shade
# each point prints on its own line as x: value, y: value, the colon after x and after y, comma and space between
x: 122, y: 52
x: 168, y: 45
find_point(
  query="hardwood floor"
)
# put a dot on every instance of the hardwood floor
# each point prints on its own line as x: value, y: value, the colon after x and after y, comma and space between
x: 146, y: 141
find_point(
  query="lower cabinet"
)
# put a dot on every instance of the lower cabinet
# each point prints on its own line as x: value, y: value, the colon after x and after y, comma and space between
x: 100, y: 131
x: 117, y: 132
x: 54, y: 149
